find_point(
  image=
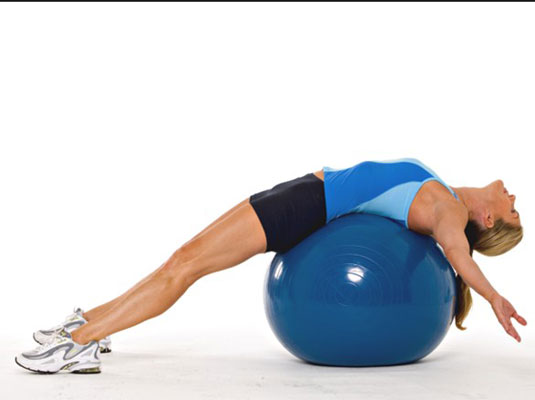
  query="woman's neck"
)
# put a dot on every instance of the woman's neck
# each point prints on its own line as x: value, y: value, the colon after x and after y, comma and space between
x: 472, y: 198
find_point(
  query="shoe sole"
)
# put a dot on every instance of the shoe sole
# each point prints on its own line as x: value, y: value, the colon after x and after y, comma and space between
x: 103, y: 350
x: 95, y: 370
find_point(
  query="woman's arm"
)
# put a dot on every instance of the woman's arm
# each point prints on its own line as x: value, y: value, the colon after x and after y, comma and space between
x: 448, y: 231
x: 458, y: 254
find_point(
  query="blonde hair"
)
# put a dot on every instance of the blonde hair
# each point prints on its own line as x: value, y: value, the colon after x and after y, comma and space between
x: 494, y: 241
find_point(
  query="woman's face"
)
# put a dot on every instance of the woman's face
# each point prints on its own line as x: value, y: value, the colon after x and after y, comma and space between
x: 503, y: 203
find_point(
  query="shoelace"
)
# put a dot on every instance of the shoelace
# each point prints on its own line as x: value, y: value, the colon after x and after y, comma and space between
x: 56, y: 337
x: 43, y: 347
x: 56, y: 328
x: 68, y: 318
x: 74, y: 315
x: 77, y: 314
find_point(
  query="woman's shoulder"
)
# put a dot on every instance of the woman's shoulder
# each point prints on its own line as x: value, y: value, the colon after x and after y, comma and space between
x: 450, y: 213
x: 432, y: 205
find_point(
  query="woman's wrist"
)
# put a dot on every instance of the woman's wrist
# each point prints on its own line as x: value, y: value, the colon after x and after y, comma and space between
x: 492, y: 295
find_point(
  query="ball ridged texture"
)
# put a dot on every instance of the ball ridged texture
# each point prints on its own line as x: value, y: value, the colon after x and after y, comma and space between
x: 361, y: 291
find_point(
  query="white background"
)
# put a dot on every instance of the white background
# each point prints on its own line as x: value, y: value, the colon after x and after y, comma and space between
x: 125, y: 129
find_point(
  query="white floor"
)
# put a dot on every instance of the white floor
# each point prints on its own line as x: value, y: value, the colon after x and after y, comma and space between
x: 249, y: 365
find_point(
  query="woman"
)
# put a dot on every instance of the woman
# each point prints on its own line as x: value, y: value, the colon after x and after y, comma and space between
x: 459, y: 219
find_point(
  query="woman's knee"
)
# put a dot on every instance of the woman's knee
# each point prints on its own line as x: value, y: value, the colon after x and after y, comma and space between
x: 183, y: 265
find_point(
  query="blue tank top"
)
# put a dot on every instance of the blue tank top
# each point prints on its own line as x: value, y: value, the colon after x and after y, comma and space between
x: 385, y: 188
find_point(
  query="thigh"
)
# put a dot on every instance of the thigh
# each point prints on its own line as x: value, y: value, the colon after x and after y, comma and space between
x: 235, y: 237
x: 220, y: 218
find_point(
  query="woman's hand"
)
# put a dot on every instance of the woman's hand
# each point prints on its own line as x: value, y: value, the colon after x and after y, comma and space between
x: 504, y: 312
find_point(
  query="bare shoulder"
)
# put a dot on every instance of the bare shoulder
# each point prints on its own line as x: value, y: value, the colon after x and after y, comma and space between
x: 450, y: 219
x: 433, y: 204
x: 451, y: 209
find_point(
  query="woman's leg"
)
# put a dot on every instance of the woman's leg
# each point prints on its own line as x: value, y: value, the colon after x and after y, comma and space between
x: 230, y: 240
x: 97, y: 311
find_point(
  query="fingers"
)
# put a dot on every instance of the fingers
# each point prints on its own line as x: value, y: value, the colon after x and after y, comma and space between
x: 505, y: 311
x: 510, y: 329
x: 520, y: 319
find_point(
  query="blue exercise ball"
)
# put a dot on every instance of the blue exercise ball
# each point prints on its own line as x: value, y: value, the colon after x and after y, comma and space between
x: 361, y: 291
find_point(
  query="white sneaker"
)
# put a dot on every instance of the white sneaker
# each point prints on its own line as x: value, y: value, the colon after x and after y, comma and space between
x: 62, y: 354
x: 72, y: 322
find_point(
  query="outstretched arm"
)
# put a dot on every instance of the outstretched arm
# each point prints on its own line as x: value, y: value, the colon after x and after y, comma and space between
x: 449, y: 233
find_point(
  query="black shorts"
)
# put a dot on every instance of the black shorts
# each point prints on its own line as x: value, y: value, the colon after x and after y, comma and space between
x: 290, y: 211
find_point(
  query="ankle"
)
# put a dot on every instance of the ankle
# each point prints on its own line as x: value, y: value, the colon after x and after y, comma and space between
x: 79, y: 338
